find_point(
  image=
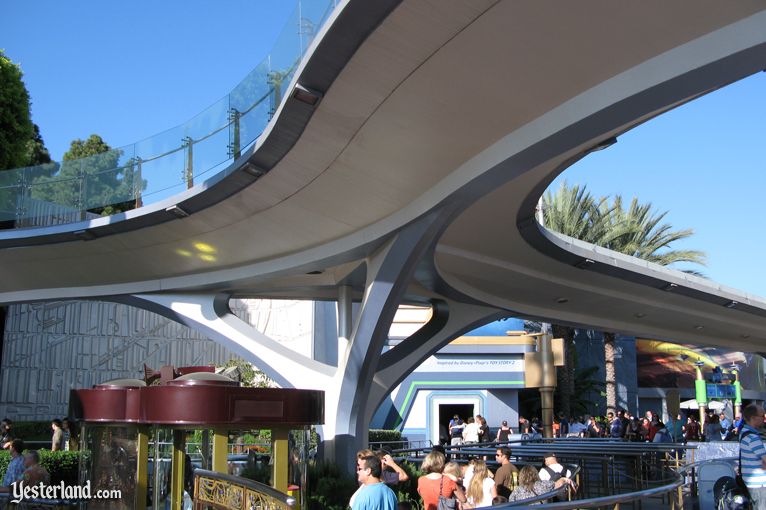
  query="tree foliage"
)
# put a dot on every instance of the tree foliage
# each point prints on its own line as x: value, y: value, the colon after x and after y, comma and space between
x: 15, y: 120
x: 250, y: 377
x: 638, y: 231
x: 90, y: 178
x: 37, y: 154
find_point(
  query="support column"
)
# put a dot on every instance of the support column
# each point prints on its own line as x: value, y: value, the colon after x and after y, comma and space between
x: 177, y: 470
x: 449, y: 320
x: 142, y: 466
x: 389, y: 272
x: 210, y: 314
x: 345, y: 319
x: 220, y: 462
x: 701, y: 395
x: 549, y: 383
x: 280, y: 458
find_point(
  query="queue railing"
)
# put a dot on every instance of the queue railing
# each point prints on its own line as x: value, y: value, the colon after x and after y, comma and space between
x: 620, y: 470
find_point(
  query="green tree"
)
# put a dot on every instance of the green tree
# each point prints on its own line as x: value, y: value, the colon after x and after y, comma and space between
x: 249, y: 376
x: 90, y: 178
x: 37, y: 154
x: 15, y: 121
x: 637, y: 231
x: 572, y: 211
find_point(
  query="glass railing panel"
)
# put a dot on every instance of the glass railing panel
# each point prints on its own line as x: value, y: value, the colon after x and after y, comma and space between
x: 9, y: 202
x: 161, y: 159
x: 109, y: 191
x: 249, y: 107
x: 167, y: 163
x: 50, y: 201
x: 209, y: 153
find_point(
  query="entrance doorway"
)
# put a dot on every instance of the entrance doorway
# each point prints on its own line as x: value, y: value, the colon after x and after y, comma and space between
x: 446, y: 412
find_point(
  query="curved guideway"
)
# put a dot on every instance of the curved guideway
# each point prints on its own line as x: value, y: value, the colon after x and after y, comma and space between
x: 401, y: 136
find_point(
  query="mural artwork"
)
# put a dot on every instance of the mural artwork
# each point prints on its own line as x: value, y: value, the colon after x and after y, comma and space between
x: 666, y: 365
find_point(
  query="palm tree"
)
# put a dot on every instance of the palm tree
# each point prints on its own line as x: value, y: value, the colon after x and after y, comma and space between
x: 637, y: 231
x: 574, y: 212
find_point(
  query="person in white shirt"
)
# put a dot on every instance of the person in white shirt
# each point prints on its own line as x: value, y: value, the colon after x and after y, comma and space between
x: 471, y: 431
x: 552, y: 470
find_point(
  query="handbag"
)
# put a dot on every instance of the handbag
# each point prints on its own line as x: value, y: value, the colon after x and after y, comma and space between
x: 445, y: 503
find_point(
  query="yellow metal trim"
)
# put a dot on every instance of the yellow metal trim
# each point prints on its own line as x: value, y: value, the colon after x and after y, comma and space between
x: 220, y: 462
x: 280, y: 456
x: 177, y: 470
x: 142, y: 468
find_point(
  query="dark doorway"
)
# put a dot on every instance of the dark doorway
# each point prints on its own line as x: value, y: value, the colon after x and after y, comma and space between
x: 529, y: 403
x: 446, y: 412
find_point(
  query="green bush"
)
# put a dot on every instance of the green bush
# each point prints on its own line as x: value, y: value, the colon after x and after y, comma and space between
x: 384, y: 436
x: 5, y: 458
x: 62, y: 466
x: 408, y: 491
x: 330, y: 488
x: 260, y: 472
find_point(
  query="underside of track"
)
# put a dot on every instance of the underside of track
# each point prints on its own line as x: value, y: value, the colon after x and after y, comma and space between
x: 461, y: 112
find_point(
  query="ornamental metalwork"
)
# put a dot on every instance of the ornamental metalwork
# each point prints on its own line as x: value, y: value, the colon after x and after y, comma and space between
x: 225, y: 492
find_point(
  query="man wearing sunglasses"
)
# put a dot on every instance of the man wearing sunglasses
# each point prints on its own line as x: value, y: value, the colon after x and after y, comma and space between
x: 374, y: 494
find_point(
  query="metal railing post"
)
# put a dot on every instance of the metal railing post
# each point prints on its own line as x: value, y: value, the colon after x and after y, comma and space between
x: 138, y: 184
x: 235, y: 149
x: 83, y: 192
x: 188, y: 176
x: 21, y: 196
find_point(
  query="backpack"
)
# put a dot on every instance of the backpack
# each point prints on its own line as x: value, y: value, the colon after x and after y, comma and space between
x: 555, y: 476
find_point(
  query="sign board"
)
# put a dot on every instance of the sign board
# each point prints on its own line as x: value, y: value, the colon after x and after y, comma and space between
x: 474, y: 364
x: 721, y: 391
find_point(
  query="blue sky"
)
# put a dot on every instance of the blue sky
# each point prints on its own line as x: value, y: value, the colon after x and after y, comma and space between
x: 129, y: 70
x: 703, y: 163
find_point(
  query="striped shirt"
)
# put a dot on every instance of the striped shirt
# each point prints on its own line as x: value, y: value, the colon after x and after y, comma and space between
x: 753, y: 452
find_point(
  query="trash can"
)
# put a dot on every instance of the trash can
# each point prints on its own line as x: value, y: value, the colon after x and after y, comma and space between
x: 707, y: 475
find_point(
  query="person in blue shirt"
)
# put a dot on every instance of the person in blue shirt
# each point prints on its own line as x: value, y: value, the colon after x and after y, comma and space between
x: 15, y: 470
x: 374, y: 494
x: 753, y: 456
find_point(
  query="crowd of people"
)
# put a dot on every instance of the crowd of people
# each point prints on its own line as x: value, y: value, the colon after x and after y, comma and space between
x: 649, y: 428
x: 25, y: 464
x: 460, y: 486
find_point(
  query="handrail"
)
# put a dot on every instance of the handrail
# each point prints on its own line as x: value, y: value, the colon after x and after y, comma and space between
x: 679, y: 481
x: 677, y: 477
x: 605, y: 500
x: 211, y: 488
x: 550, y: 494
x: 166, y: 163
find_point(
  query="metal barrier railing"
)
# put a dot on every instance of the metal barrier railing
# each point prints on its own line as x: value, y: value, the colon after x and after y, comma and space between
x: 225, y: 492
x: 623, y: 473
x: 404, y: 444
